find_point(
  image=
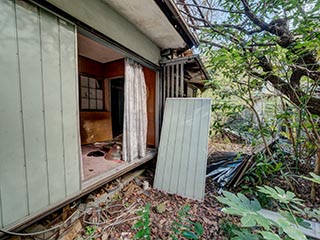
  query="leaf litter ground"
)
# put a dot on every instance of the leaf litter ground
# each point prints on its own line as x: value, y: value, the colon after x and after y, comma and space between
x: 114, y: 219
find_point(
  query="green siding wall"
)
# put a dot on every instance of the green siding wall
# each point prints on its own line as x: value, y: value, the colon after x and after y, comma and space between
x: 39, y: 142
x: 98, y: 15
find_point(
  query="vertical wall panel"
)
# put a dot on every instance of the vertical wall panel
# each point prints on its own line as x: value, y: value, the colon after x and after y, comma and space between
x: 159, y: 179
x: 52, y: 105
x: 69, y: 106
x: 12, y: 170
x: 202, y: 153
x: 176, y: 165
x: 171, y: 142
x: 32, y: 104
x: 182, y: 157
x: 193, y: 150
x: 39, y: 104
x: 186, y: 146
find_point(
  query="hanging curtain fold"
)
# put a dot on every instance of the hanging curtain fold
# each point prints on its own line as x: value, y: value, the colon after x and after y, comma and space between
x: 135, y: 112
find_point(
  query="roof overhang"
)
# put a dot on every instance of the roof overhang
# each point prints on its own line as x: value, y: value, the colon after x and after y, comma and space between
x: 170, y: 9
x: 159, y: 20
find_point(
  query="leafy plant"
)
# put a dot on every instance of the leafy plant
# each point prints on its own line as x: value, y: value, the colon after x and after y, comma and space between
x: 142, y: 225
x: 254, y: 221
x: 185, y: 227
x: 228, y: 229
x: 90, y: 230
x: 281, y: 195
x: 314, y: 178
x: 264, y: 167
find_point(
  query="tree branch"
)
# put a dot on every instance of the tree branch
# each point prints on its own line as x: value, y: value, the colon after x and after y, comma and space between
x: 313, y: 104
x: 198, y: 8
x: 213, y: 44
x: 212, y: 25
x: 187, y: 10
x: 314, y: 75
x: 209, y: 8
x: 208, y: 24
x: 263, y: 25
x: 277, y: 27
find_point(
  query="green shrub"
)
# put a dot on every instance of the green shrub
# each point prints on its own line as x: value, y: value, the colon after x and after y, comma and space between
x: 255, y: 222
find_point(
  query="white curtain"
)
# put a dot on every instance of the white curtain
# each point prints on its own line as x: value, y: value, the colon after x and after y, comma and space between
x: 135, y: 112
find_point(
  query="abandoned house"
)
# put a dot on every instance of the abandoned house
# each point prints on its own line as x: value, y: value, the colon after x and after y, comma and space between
x: 83, y: 90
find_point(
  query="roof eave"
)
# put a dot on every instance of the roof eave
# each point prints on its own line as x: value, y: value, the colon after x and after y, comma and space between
x: 173, y: 15
x: 203, y: 68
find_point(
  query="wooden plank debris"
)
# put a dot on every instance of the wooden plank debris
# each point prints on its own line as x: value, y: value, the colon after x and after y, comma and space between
x: 72, y: 231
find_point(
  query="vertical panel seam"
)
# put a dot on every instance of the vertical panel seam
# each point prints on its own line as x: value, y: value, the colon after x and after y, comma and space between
x: 1, y: 211
x: 181, y: 147
x: 77, y: 105
x: 175, y: 140
x: 193, y: 103
x: 166, y: 152
x: 43, y: 105
x: 199, y: 134
x: 61, y: 102
x: 21, y: 104
x: 207, y: 120
x: 196, y: 155
x: 207, y: 136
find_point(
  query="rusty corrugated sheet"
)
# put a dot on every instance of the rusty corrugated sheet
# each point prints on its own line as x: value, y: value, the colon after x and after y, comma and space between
x: 182, y: 158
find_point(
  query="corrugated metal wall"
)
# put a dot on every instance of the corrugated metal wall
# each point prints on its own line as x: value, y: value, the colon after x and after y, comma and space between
x: 39, y: 142
x: 182, y: 155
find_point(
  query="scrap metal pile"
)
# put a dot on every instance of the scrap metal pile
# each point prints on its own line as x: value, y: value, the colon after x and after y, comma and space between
x: 229, y: 168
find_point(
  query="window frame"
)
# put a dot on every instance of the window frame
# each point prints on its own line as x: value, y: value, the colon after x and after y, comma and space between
x: 100, y: 80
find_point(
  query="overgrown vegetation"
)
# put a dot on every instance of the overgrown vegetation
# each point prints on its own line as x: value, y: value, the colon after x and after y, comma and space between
x: 181, y: 227
x: 142, y: 225
x: 264, y: 56
x: 184, y: 227
x: 257, y: 225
